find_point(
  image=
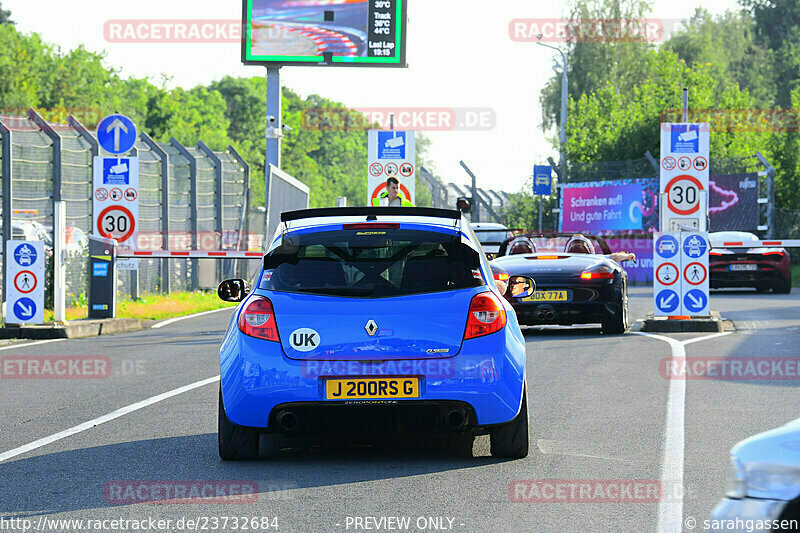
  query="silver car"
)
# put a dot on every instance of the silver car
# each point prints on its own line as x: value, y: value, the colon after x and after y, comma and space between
x: 763, y: 484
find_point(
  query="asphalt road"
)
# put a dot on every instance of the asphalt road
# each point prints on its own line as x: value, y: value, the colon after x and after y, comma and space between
x: 598, y: 412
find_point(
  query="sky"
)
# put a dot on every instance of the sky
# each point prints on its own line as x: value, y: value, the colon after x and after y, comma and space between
x: 460, y: 55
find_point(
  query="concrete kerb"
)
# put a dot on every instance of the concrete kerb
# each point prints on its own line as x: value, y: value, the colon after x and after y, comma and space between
x: 73, y: 330
x: 713, y: 323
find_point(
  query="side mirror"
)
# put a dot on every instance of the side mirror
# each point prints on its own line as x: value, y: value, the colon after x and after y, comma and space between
x: 521, y: 286
x: 233, y: 290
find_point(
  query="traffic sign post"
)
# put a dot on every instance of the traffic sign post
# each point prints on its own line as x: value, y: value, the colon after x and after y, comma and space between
x: 684, y: 176
x: 25, y: 282
x: 681, y: 274
x: 666, y: 269
x: 116, y: 200
x: 391, y: 154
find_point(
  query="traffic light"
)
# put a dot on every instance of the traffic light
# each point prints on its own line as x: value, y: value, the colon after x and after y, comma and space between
x: 464, y: 204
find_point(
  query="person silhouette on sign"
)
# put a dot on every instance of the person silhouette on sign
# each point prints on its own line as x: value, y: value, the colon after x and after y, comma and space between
x: 695, y: 273
x: 25, y: 284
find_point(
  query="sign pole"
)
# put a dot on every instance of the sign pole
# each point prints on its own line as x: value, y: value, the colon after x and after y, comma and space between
x: 274, y: 134
x: 540, y: 213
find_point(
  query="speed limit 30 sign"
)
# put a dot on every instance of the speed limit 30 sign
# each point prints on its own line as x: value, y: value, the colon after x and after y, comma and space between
x: 116, y: 200
x: 683, y: 194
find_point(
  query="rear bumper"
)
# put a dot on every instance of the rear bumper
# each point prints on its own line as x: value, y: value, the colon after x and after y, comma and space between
x: 747, y: 514
x: 764, y: 277
x: 486, y: 377
x: 588, y: 305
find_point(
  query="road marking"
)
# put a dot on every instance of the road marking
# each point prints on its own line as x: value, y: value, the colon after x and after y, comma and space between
x: 670, y: 511
x: 103, y: 419
x: 178, y: 319
x: 30, y: 344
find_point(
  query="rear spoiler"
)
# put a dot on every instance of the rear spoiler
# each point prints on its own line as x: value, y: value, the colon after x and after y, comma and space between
x: 371, y: 212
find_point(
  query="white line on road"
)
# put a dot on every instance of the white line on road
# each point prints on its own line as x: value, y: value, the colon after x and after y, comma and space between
x: 670, y: 510
x: 103, y: 419
x: 178, y: 319
x: 30, y: 344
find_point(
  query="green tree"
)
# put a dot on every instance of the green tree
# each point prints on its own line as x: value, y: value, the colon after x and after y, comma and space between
x: 599, y: 51
x: 728, y: 44
x: 5, y: 16
x: 777, y: 24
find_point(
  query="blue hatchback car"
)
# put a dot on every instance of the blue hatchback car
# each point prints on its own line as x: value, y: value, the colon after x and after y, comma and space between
x: 373, y: 320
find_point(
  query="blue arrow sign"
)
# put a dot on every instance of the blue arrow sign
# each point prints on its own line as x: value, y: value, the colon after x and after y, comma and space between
x: 667, y: 301
x: 117, y: 134
x: 695, y: 300
x: 667, y: 246
x: 25, y: 309
x: 695, y: 246
x: 25, y: 255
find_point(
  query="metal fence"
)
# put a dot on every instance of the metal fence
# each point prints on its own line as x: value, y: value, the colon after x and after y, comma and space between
x: 190, y: 198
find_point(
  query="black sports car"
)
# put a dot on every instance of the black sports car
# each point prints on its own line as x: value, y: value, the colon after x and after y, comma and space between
x: 571, y: 288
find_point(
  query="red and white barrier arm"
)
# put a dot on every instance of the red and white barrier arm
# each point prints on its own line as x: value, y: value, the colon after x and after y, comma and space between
x: 190, y: 254
x: 793, y: 243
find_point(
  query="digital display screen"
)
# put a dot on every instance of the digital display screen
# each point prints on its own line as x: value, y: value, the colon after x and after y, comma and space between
x: 324, y: 32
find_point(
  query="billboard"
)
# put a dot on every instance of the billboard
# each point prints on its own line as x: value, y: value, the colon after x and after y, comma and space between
x: 344, y: 33
x: 733, y: 204
x: 609, y: 206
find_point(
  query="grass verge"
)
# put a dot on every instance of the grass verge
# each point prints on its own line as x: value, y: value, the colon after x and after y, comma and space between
x: 155, y: 306
x: 795, y: 275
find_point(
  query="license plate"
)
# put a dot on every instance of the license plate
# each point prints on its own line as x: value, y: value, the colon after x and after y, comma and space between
x: 371, y: 388
x: 748, y: 266
x: 547, y: 296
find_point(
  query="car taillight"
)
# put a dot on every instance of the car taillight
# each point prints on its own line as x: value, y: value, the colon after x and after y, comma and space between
x: 774, y: 253
x: 486, y: 315
x: 502, y: 276
x: 257, y: 319
x: 601, y: 272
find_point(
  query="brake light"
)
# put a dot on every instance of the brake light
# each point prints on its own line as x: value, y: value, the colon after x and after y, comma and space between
x: 773, y: 253
x: 372, y: 225
x: 714, y: 253
x: 501, y: 276
x: 486, y: 315
x: 257, y: 319
x: 546, y: 257
x: 597, y: 275
x: 600, y: 271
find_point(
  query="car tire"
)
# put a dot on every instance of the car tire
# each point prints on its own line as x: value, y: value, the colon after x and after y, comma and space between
x: 618, y: 324
x: 510, y: 440
x: 786, y: 286
x: 235, y: 442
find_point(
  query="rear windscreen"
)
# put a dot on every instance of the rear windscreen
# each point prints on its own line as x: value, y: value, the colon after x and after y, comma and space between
x: 371, y: 263
x: 491, y: 236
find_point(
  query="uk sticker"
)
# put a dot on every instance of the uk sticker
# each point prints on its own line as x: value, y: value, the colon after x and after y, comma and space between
x: 476, y: 274
x: 304, y: 340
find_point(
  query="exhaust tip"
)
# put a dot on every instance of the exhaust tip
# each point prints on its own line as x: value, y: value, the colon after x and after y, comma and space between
x: 540, y: 316
x: 456, y: 419
x: 550, y: 316
x: 288, y: 421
